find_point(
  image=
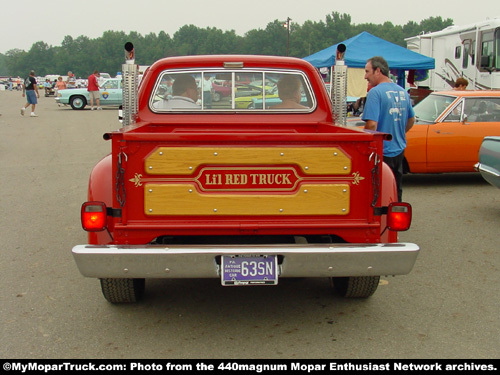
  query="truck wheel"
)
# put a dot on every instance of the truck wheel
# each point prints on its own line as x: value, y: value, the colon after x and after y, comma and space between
x: 216, y: 97
x: 356, y: 287
x: 122, y: 290
x: 78, y: 102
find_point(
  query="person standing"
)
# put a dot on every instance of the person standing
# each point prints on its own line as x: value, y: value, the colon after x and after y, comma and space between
x: 71, y: 81
x: 47, y: 86
x: 290, y: 93
x: 461, y: 84
x: 60, y: 84
x: 93, y: 89
x: 207, y: 89
x: 30, y: 90
x: 185, y: 94
x: 388, y: 109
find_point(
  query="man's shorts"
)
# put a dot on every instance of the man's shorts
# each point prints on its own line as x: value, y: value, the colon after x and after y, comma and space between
x: 31, y: 97
x: 94, y: 95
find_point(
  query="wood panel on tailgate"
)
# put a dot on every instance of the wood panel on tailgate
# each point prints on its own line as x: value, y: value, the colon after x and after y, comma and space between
x: 223, y: 181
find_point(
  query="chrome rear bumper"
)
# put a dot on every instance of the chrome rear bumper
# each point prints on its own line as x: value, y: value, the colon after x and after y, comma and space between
x: 298, y: 260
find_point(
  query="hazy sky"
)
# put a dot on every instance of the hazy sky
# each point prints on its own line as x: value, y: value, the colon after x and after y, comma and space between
x: 28, y: 21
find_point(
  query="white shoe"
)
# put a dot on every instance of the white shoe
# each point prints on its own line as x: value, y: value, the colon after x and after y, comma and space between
x: 33, y: 114
x: 99, y: 108
x: 92, y: 108
x: 22, y: 111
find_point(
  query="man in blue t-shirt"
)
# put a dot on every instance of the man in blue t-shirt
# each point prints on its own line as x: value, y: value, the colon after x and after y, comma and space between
x: 388, y: 109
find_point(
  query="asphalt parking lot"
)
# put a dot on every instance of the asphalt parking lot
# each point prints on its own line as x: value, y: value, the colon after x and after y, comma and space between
x: 447, y: 307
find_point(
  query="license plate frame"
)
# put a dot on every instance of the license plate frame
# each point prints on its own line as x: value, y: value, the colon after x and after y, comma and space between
x: 244, y: 270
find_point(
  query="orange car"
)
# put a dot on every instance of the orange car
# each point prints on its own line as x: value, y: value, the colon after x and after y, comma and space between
x: 449, y: 129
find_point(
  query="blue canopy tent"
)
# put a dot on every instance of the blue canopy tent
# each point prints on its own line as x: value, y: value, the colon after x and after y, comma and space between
x: 364, y: 46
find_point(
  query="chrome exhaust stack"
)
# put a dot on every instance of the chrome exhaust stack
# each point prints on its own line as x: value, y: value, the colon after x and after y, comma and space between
x: 130, y: 86
x: 339, y: 87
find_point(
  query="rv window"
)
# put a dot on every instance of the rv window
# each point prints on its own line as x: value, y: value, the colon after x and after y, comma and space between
x: 458, y: 51
x: 465, y: 60
x: 473, y: 54
x: 497, y: 49
x: 487, y: 50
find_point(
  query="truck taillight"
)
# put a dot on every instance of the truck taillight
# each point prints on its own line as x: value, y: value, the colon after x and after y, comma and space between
x: 399, y: 216
x: 94, y: 216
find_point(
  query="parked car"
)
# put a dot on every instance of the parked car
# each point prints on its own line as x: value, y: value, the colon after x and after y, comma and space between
x: 245, y: 94
x: 4, y: 83
x: 111, y: 94
x: 103, y: 77
x: 449, y: 129
x: 489, y: 160
x: 220, y: 91
x: 273, y: 100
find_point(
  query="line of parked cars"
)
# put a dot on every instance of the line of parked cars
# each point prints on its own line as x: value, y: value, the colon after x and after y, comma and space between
x: 111, y: 94
x: 452, y: 127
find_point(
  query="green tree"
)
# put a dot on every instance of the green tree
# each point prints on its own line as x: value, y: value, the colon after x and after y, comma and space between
x: 308, y: 39
x: 4, y: 70
x: 411, y: 29
x: 82, y: 55
x: 148, y: 48
x: 40, y: 58
x: 109, y: 49
x: 434, y: 24
x: 338, y: 27
x: 187, y: 40
x: 271, y: 41
x: 17, y: 63
x: 165, y: 47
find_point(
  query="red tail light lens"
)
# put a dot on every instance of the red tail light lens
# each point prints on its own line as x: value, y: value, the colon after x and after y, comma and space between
x: 399, y: 216
x: 94, y: 216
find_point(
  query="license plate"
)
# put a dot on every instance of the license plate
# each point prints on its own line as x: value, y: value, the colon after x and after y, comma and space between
x: 249, y: 270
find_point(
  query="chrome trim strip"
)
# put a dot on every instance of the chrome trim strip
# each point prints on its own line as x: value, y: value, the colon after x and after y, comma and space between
x: 485, y: 169
x: 214, y: 70
x: 299, y: 260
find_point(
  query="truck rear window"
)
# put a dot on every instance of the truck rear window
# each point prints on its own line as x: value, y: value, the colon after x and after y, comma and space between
x: 236, y: 90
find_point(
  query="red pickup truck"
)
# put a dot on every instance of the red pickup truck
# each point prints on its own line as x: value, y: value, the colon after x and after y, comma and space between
x: 254, y: 187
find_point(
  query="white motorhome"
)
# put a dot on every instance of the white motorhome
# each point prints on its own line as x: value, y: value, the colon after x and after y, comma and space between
x: 471, y: 51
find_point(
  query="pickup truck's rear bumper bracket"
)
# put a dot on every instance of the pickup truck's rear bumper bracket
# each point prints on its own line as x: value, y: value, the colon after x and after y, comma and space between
x: 379, y: 211
x: 298, y: 260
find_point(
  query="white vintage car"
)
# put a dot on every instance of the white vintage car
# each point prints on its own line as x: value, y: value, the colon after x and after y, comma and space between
x: 111, y: 94
x: 489, y: 160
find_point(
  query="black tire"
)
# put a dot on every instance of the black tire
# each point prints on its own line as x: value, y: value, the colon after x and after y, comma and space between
x: 356, y: 287
x: 123, y: 290
x: 78, y: 102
